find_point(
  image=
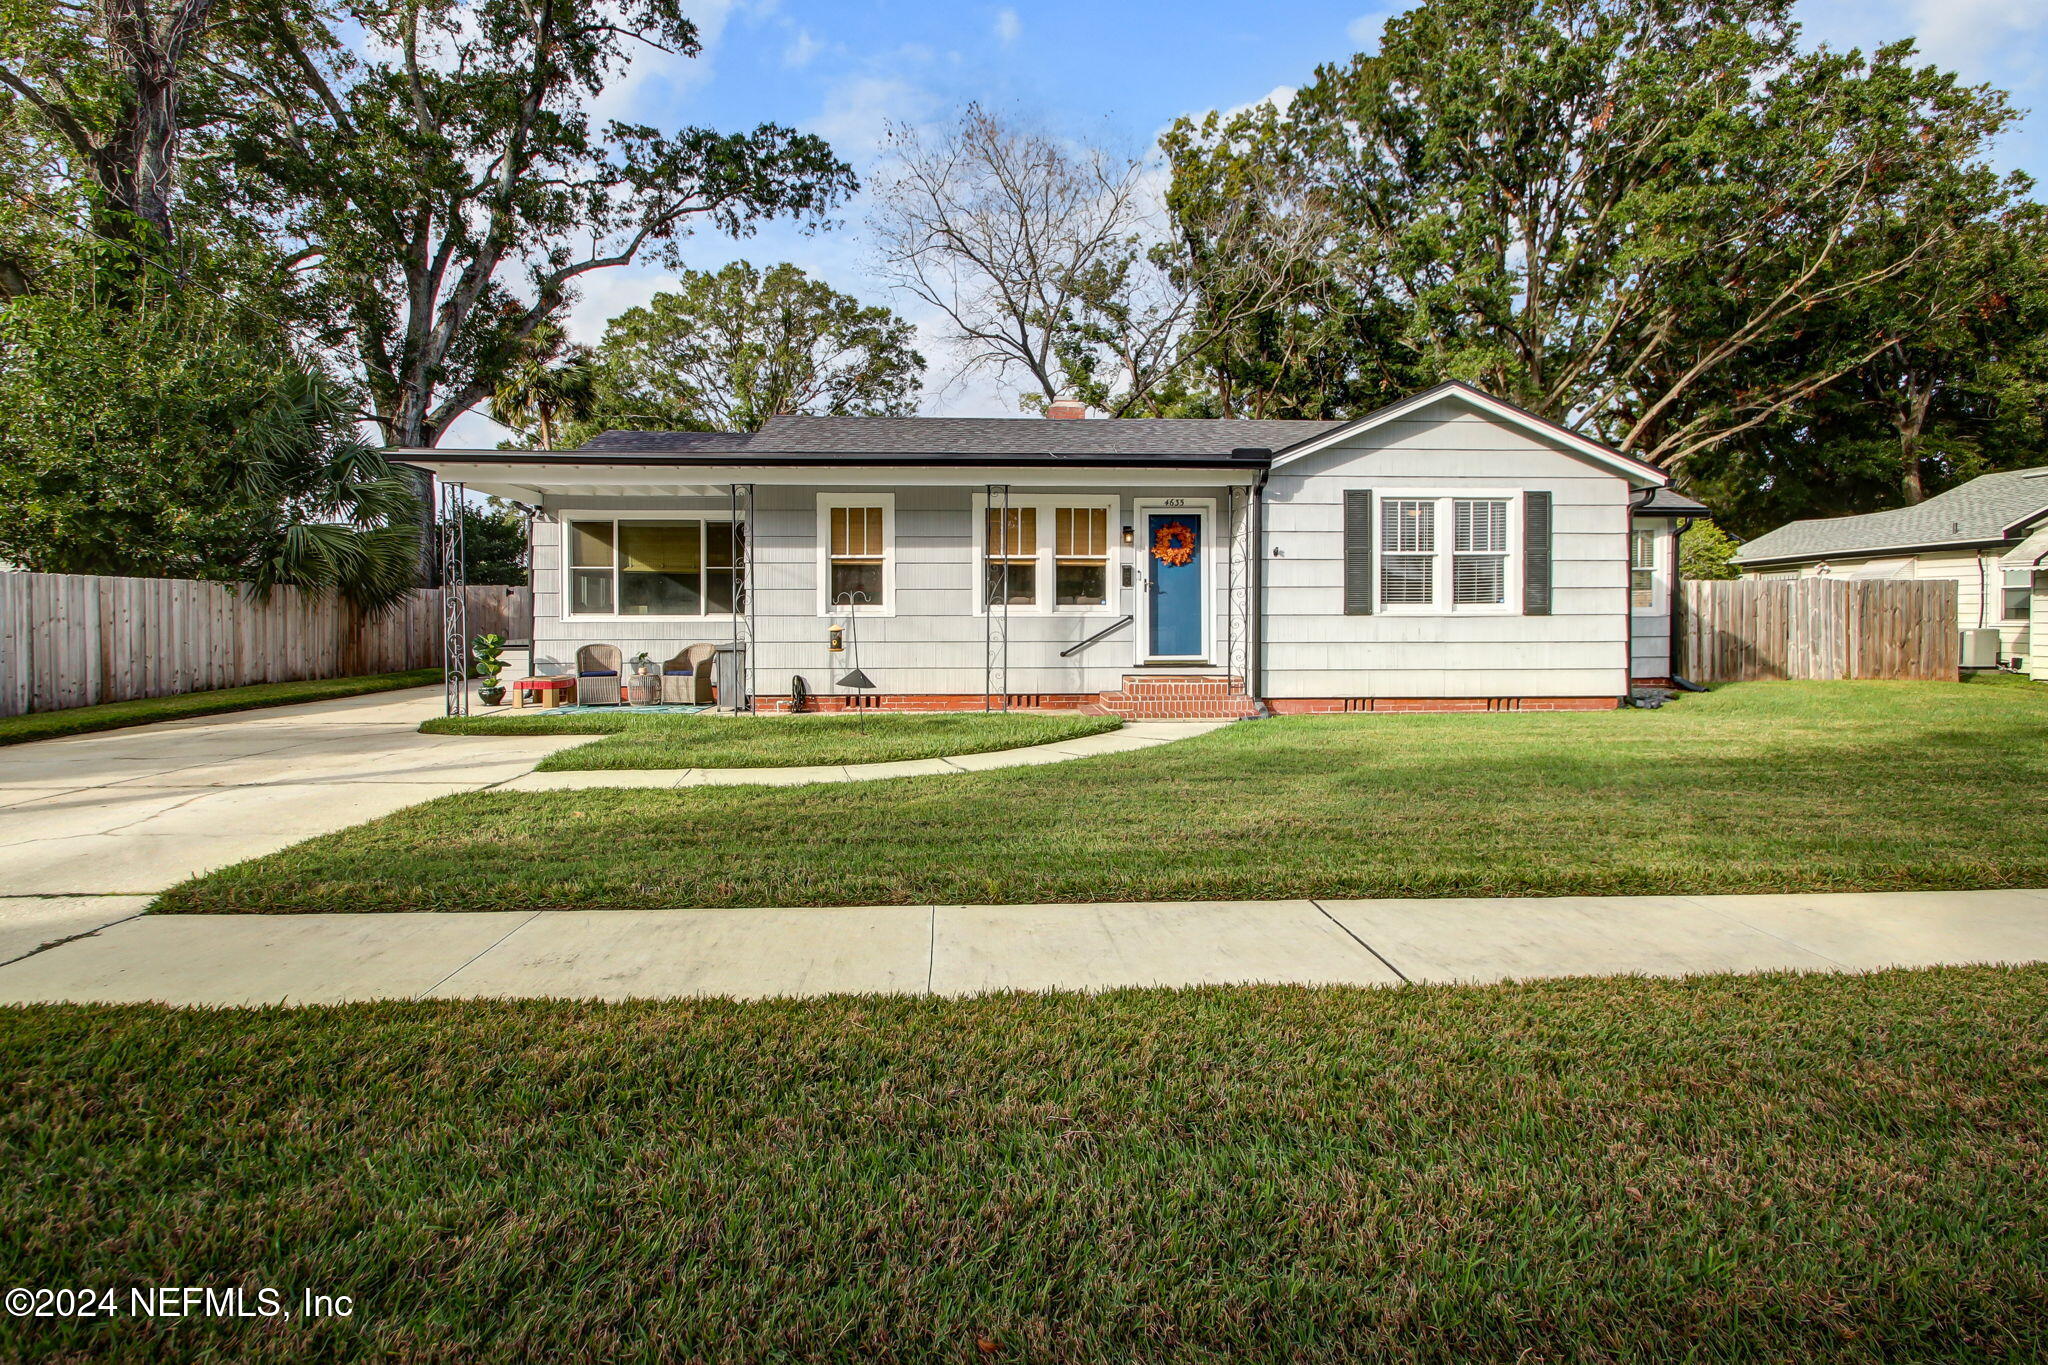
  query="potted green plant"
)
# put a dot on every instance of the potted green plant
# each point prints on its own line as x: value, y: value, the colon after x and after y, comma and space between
x: 489, y: 653
x: 644, y: 687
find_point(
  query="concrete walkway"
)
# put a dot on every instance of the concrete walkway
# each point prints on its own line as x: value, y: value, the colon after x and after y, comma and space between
x: 131, y: 812
x: 951, y: 950
x: 1134, y: 735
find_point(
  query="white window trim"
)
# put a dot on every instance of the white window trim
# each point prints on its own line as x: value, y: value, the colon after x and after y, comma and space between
x: 564, y: 569
x: 2006, y: 585
x: 1661, y: 541
x: 1446, y: 552
x: 828, y: 501
x: 1048, y: 543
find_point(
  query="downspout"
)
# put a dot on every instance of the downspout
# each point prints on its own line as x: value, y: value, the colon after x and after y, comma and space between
x: 1671, y: 607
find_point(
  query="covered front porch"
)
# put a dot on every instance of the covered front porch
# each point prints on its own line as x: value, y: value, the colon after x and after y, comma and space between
x: 888, y: 589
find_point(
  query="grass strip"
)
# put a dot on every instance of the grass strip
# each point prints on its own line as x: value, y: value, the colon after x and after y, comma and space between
x: 700, y: 741
x: 1757, y: 787
x: 118, y: 715
x: 1769, y: 1168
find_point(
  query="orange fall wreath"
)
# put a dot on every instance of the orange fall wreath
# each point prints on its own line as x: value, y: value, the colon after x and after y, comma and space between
x: 1175, y: 544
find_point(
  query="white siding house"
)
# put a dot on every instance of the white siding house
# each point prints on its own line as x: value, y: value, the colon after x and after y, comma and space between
x: 1449, y: 552
x: 1985, y: 536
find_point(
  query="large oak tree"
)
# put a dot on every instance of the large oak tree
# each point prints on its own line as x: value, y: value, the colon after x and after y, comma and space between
x: 1603, y: 209
x: 443, y: 186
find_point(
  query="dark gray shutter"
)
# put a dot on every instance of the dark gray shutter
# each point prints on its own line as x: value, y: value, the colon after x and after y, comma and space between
x: 1358, y: 552
x: 1536, y: 554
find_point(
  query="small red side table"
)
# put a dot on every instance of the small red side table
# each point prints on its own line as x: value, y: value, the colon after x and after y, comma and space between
x: 541, y: 691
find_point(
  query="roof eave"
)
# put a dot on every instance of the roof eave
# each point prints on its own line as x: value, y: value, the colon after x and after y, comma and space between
x: 1862, y: 552
x: 1626, y: 466
x: 835, y: 460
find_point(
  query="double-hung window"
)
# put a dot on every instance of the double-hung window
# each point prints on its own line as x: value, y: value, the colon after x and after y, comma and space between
x: 1479, y: 554
x: 1009, y: 539
x: 683, y: 566
x: 1048, y: 553
x: 2019, y: 594
x: 1408, y: 552
x: 1080, y: 556
x: 1441, y: 553
x: 857, y: 557
x: 1642, y: 568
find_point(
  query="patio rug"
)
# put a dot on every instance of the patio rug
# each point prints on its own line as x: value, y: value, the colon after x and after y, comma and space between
x: 614, y: 710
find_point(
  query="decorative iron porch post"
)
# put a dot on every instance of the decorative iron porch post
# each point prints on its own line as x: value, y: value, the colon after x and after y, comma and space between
x: 995, y: 606
x: 742, y: 513
x: 454, y: 604
x: 1237, y: 619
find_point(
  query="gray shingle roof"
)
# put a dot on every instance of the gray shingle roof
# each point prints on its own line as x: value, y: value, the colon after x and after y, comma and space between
x: 1982, y: 510
x: 672, y: 442
x: 1665, y: 502
x: 1138, y: 438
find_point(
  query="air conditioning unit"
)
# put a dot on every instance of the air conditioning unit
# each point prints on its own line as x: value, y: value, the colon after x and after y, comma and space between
x: 1980, y: 649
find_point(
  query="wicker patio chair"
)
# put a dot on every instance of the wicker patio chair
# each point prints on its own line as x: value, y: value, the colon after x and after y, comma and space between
x: 686, y: 679
x: 597, y: 675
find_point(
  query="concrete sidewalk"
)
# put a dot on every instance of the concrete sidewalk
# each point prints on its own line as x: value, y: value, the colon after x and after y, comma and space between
x: 950, y: 950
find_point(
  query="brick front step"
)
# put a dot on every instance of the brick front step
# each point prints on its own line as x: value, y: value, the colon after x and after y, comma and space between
x: 1166, y: 697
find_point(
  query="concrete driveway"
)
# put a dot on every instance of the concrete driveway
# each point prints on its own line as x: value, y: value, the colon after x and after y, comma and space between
x: 92, y: 825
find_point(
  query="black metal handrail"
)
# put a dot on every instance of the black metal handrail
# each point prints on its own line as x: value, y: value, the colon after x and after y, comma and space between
x: 1113, y: 625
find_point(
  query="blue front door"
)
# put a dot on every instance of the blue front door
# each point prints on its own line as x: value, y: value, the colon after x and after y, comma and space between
x: 1175, y: 590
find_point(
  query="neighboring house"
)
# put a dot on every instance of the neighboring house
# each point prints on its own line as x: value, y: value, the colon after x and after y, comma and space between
x: 1449, y: 552
x: 1990, y: 536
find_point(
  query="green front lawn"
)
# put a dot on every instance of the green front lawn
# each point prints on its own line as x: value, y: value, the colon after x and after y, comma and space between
x: 646, y: 740
x: 1758, y: 787
x: 1820, y: 1168
x: 118, y: 715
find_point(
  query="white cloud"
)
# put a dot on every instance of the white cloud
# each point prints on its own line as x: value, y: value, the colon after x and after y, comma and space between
x: 858, y: 111
x: 1971, y: 33
x: 801, y: 49
x: 656, y: 81
x: 1008, y: 26
x: 1364, y: 31
x: 1280, y: 97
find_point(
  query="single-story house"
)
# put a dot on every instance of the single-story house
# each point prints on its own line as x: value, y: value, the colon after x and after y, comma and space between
x: 1447, y: 552
x: 1990, y: 536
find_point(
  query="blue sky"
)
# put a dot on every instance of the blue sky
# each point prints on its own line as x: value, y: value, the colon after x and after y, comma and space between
x: 1110, y: 72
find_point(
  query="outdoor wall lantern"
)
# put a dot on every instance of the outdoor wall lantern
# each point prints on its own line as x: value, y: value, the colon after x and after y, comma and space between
x: 1130, y: 535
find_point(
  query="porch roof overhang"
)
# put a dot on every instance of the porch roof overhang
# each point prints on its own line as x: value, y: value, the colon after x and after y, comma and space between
x: 532, y: 476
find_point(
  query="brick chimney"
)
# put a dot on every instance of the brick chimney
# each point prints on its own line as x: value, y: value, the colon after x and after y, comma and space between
x: 1066, y: 409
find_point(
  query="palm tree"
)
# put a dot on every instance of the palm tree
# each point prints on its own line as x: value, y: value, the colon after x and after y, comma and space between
x: 343, y: 520
x: 545, y: 391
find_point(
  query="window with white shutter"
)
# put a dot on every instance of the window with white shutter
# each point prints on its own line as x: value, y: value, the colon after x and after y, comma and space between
x: 1446, y: 553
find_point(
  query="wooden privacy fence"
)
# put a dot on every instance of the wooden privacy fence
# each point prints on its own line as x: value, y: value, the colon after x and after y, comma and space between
x: 73, y: 639
x: 1818, y: 628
